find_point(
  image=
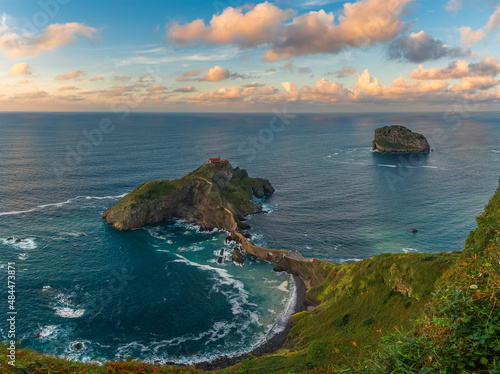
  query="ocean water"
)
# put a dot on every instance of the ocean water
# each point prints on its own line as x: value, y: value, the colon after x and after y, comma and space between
x: 158, y: 293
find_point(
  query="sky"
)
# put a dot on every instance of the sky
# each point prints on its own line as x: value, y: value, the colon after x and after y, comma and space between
x: 240, y: 56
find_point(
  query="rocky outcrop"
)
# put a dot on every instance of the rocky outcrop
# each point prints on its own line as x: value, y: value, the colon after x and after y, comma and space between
x: 213, y: 196
x: 238, y: 256
x: 399, y: 139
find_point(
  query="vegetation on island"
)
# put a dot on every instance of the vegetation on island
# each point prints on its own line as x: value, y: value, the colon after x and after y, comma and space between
x: 392, y: 313
x: 390, y: 139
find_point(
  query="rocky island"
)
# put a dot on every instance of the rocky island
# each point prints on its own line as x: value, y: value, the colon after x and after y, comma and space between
x: 399, y: 139
x: 214, y: 196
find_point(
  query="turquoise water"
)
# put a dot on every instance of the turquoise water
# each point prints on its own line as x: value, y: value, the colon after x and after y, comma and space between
x: 158, y: 293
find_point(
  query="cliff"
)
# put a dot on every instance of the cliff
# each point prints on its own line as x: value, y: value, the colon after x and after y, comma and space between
x: 212, y: 196
x: 399, y: 139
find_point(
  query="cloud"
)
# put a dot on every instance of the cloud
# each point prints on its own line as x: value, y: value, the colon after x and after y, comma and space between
x: 453, y: 5
x: 362, y: 23
x: 253, y: 84
x: 476, y: 83
x: 68, y: 88
x: 270, y: 71
x: 268, y: 91
x: 70, y: 75
x: 459, y: 69
x: 304, y: 70
x: 494, y: 21
x: 96, y: 78
x: 225, y: 94
x: 215, y: 74
x: 345, y: 71
x: 232, y: 26
x: 185, y: 89
x: 21, y: 68
x: 24, y: 81
x: 30, y: 95
x: 189, y: 75
x: 469, y: 37
x: 20, y: 44
x: 121, y: 78
x: 288, y: 66
x: 420, y: 47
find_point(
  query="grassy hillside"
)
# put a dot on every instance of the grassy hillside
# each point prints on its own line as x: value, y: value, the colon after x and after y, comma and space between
x: 393, y: 313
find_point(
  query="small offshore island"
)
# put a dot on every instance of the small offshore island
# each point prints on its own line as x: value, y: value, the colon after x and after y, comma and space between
x: 399, y: 139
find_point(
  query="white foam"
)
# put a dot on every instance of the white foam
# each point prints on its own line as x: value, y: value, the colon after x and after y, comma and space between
x: 60, y: 204
x: 48, y: 331
x: 348, y: 260
x: 46, y: 288
x: 495, y: 151
x: 22, y: 256
x: 408, y: 250
x: 67, y: 312
x: 387, y: 166
x: 23, y: 244
x: 283, y: 286
x: 16, y: 212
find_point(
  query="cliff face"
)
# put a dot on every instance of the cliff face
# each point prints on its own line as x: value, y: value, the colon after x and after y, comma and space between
x: 212, y: 196
x: 399, y: 139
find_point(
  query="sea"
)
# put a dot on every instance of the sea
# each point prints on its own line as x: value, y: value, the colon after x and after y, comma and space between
x: 86, y: 291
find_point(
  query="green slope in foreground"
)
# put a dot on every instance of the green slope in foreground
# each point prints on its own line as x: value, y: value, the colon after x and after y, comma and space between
x: 393, y: 313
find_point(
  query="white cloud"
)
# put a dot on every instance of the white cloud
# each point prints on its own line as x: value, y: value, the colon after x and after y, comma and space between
x: 21, y: 68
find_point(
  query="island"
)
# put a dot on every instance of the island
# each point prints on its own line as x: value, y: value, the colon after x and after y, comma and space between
x: 214, y: 196
x: 390, y: 139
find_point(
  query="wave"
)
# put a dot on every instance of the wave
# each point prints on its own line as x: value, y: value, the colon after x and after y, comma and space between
x: 60, y: 204
x: 224, y: 279
x: 65, y: 308
x: 409, y: 250
x: 23, y: 244
x: 495, y: 151
x: 348, y: 260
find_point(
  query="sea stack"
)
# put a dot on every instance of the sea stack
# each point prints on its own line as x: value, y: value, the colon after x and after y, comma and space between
x: 399, y: 139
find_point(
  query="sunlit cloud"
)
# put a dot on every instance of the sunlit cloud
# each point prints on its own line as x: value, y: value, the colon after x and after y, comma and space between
x: 21, y: 68
x: 362, y: 23
x: 70, y: 75
x: 17, y: 43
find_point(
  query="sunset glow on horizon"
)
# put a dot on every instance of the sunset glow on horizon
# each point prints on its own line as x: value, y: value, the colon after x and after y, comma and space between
x: 238, y: 56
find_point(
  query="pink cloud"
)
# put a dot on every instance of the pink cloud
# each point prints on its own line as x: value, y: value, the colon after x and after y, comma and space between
x: 70, y: 75
x: 363, y: 23
x: 96, y: 78
x: 52, y: 37
x: 256, y: 26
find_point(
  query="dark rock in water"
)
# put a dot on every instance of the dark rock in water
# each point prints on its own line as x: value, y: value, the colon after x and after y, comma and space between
x: 261, y: 188
x: 10, y: 238
x: 222, y: 252
x: 238, y: 256
x: 414, y: 230
x: 38, y: 334
x: 18, y: 240
x: 247, y: 235
x: 278, y: 269
x: 220, y: 260
x: 78, y: 346
x: 399, y: 139
x: 228, y: 240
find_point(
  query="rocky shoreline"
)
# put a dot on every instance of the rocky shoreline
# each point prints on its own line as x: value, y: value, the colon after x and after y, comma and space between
x: 271, y: 345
